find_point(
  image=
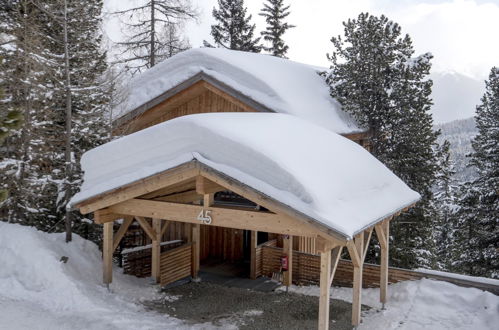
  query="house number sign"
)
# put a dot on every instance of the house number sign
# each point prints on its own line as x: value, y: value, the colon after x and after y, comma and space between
x: 205, y: 216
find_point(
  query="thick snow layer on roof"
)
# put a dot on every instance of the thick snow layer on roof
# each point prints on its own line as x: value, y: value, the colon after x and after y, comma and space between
x: 281, y: 85
x: 311, y: 169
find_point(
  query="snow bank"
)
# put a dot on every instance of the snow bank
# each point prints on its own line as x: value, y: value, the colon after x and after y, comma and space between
x: 311, y: 169
x: 38, y: 291
x: 423, y: 304
x: 477, y: 279
x: 281, y: 85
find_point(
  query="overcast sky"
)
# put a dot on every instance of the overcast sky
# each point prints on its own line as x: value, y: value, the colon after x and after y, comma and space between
x: 461, y: 34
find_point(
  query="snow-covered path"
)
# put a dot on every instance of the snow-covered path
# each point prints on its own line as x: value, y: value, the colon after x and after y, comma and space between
x: 37, y: 291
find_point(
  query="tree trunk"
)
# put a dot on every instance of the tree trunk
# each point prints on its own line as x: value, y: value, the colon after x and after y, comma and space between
x: 152, y: 56
x: 68, y: 155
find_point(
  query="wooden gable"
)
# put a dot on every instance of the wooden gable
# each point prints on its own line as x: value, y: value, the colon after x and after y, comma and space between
x: 200, y: 97
x: 200, y: 94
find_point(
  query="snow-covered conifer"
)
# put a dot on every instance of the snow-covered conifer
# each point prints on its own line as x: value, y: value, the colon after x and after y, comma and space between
x: 378, y: 81
x: 275, y: 12
x: 477, y: 241
x: 234, y: 29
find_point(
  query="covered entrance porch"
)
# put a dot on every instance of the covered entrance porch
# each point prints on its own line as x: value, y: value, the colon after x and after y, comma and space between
x: 165, y: 205
x: 316, y: 202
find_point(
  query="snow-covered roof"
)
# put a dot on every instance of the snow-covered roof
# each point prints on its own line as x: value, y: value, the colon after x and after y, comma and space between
x: 312, y: 170
x: 277, y: 84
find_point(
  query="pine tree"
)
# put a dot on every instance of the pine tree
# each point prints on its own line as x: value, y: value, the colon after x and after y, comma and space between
x: 25, y: 160
x: 477, y: 242
x: 376, y: 79
x: 444, y: 205
x: 275, y: 12
x: 9, y: 121
x: 234, y: 30
x: 64, y: 102
x: 155, y: 28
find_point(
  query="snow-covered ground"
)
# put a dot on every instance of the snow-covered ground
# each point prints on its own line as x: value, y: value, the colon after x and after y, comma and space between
x: 424, y: 304
x: 38, y: 291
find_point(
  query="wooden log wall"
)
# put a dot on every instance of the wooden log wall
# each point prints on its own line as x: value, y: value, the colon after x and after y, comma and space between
x: 306, y: 270
x: 138, y: 263
x: 204, y: 103
x: 175, y: 264
x: 225, y: 244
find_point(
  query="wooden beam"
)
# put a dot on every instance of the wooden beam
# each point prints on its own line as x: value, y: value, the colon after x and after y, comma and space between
x: 357, y: 280
x: 221, y: 216
x: 147, y: 228
x: 180, y: 187
x: 287, y: 249
x: 354, y: 255
x: 107, y: 253
x: 195, y: 237
x: 383, y: 284
x: 380, y: 234
x: 105, y: 215
x: 165, y: 228
x: 156, y: 250
x: 324, y: 290
x: 140, y: 187
x: 322, y: 245
x: 253, y: 247
x: 205, y: 186
x: 335, y: 258
x: 208, y: 199
x: 367, y: 237
x: 183, y: 197
x: 121, y: 232
x: 269, y: 203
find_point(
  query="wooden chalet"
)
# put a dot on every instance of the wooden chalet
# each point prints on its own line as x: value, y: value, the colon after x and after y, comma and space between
x: 212, y: 212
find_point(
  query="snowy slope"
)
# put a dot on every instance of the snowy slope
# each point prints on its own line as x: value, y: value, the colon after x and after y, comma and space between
x: 455, y: 96
x: 459, y: 133
x: 311, y: 169
x: 279, y: 84
x: 37, y: 291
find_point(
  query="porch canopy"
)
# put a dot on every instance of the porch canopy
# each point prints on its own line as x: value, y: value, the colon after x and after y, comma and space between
x: 315, y: 183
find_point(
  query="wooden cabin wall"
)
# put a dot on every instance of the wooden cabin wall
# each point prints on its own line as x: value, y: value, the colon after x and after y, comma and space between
x: 224, y: 244
x: 206, y: 102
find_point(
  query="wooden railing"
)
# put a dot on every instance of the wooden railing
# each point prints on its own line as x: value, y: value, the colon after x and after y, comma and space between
x: 306, y: 270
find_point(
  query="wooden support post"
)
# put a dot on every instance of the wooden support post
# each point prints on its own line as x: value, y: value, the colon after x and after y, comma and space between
x: 287, y: 244
x: 107, y: 253
x: 324, y: 290
x: 357, y: 280
x: 383, y: 233
x: 156, y: 250
x: 335, y: 258
x: 253, y: 246
x: 122, y: 231
x: 195, y: 236
x: 208, y: 200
